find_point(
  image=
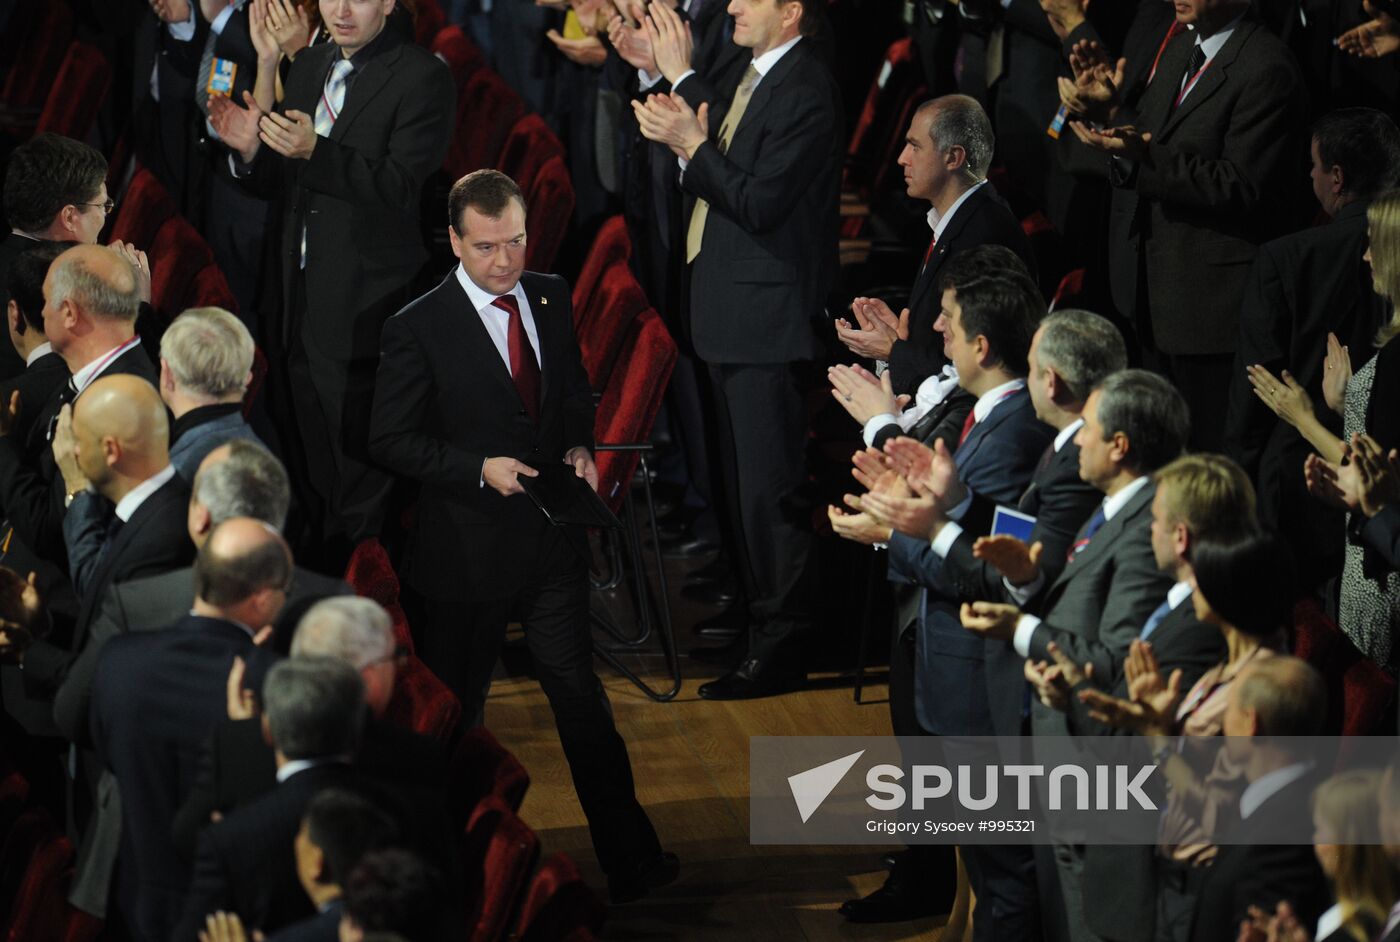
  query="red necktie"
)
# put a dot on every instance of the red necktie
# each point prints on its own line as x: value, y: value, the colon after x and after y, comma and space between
x: 967, y: 427
x: 524, y: 368
x: 929, y: 254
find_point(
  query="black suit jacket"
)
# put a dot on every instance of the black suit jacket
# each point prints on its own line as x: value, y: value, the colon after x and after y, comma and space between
x: 444, y: 403
x: 1301, y: 287
x: 13, y: 244
x: 984, y: 219
x: 769, y: 254
x: 156, y: 696
x: 154, y: 540
x: 245, y: 864
x: 37, y: 383
x: 1252, y: 870
x: 357, y: 196
x: 1215, y: 182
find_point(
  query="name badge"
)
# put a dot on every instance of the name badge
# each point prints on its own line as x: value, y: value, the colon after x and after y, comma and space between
x: 221, y: 73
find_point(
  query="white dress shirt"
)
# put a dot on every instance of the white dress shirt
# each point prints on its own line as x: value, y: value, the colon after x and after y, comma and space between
x: 497, y: 321
x: 1211, y: 47
x: 135, y: 497
x: 930, y: 393
x: 43, y: 349
x: 1267, y: 786
x: 84, y: 377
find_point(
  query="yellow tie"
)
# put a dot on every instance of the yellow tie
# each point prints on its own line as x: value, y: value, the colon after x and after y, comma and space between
x: 696, y: 233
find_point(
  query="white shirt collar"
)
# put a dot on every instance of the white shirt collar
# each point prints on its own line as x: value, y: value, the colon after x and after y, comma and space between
x: 1212, y: 45
x: 1067, y: 433
x: 42, y: 350
x: 939, y: 223
x: 293, y: 766
x: 1329, y: 922
x: 1178, y: 594
x: 216, y: 26
x: 84, y: 377
x: 762, y: 64
x: 1267, y: 786
x: 1111, y: 505
x: 137, y: 495
x: 482, y: 299
x: 989, y: 399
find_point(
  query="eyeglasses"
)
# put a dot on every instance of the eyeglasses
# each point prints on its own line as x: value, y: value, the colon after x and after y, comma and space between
x: 107, y: 205
x: 398, y: 656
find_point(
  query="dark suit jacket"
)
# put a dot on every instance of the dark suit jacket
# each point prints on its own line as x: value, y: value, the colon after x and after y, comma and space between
x: 996, y: 461
x: 769, y: 253
x: 1207, y: 191
x: 37, y: 383
x: 193, y: 444
x: 245, y: 863
x: 155, y: 540
x: 944, y: 421
x: 1101, y: 599
x: 1252, y: 870
x: 444, y: 403
x: 147, y: 604
x: 13, y: 244
x: 984, y: 219
x: 237, y: 766
x: 357, y: 196
x: 155, y: 698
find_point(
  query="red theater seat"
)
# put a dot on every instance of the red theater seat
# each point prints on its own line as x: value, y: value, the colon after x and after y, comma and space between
x: 500, y: 852
x: 463, y: 57
x: 428, y: 21
x: 888, y: 104
x: 610, y: 246
x: 1358, y: 691
x: 141, y: 210
x: 35, y: 41
x: 78, y: 92
x: 423, y: 703
x: 559, y: 904
x: 550, y: 205
x: 630, y: 402
x: 481, y: 766
x: 486, y: 111
x: 371, y: 574
x: 609, y: 313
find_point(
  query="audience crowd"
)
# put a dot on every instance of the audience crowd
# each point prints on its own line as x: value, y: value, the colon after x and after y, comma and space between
x: 1117, y: 353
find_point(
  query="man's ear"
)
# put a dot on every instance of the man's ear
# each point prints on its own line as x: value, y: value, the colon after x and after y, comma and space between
x: 204, y: 520
x: 455, y: 241
x: 266, y: 731
x: 1339, y: 182
x: 319, y: 870
x: 16, y: 318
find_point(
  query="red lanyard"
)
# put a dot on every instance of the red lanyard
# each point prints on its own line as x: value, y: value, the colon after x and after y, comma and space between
x: 102, y: 364
x: 1191, y: 82
x: 1172, y: 32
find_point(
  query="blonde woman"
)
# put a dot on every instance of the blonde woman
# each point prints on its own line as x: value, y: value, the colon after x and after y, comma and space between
x: 1368, y: 401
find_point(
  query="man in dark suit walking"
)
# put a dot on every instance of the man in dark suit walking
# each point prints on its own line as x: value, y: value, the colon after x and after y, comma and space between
x: 365, y: 119
x: 1202, y: 173
x: 762, y: 174
x: 945, y: 159
x: 158, y: 694
x: 481, y: 382
x: 1302, y: 288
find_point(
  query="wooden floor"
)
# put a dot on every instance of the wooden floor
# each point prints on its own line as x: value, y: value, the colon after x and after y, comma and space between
x: 690, y: 759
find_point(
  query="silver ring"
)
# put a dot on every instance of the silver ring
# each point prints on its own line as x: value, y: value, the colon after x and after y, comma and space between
x: 848, y: 397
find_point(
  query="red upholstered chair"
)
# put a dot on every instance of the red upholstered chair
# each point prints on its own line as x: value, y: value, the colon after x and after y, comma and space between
x: 481, y: 766
x: 528, y: 147
x: 463, y: 57
x: 371, y: 574
x: 500, y: 852
x: 141, y: 210
x: 1069, y: 291
x: 428, y: 21
x: 38, y: 862
x: 550, y: 204
x: 78, y: 92
x: 183, y: 272
x: 1358, y: 691
x: 209, y: 288
x: 611, y: 310
x: 881, y: 121
x: 423, y: 703
x: 22, y: 839
x: 558, y: 903
x: 610, y: 246
x: 486, y: 111
x: 34, y: 42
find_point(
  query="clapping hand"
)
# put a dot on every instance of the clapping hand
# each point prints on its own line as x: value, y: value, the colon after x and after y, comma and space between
x: 64, y: 456
x: 289, y: 25
x: 633, y: 43
x: 862, y: 394
x: 669, y: 120
x: 1286, y: 398
x: 671, y: 41
x: 1127, y: 141
x: 994, y: 621
x: 292, y: 134
x: 1336, y: 374
x: 929, y: 470
x: 1379, y: 36
x: 142, y: 266
x: 1048, y: 683
x: 236, y: 126
x: 878, y: 329
x: 171, y: 11
x: 226, y: 927
x: 1065, y: 16
x: 588, y: 51
x: 1011, y: 557
x: 1378, y: 474
x: 1094, y: 91
x: 1150, y: 709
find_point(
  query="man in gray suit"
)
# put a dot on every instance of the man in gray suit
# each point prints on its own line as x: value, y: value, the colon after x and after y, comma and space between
x: 206, y: 362
x: 237, y: 479
x: 1134, y: 423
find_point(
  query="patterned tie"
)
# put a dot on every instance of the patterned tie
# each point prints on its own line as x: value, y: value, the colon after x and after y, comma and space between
x: 1194, y: 65
x: 1158, y: 616
x: 524, y: 368
x: 327, y: 110
x: 696, y: 233
x: 1096, y: 521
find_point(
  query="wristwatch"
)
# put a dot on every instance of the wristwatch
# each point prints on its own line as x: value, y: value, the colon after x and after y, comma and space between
x: 68, y: 498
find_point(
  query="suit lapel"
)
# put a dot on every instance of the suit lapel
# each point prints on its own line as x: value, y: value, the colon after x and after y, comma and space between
x: 544, y: 329
x: 477, y: 341
x: 999, y: 414
x: 1105, y: 538
x: 1212, y: 79
x: 767, y: 88
x: 367, y: 84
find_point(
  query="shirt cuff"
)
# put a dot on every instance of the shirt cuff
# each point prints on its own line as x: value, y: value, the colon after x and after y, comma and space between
x: 875, y: 424
x: 647, y: 81
x: 183, y: 32
x: 942, y: 544
x: 683, y: 76
x: 1022, y: 594
x: 1025, y: 627
x: 482, y: 481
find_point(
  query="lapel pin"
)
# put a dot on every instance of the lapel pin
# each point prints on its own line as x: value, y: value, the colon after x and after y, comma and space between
x: 544, y: 300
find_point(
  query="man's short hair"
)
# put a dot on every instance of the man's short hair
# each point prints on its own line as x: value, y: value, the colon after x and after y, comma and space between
x: 1082, y: 348
x: 960, y: 121
x: 393, y: 890
x: 351, y: 629
x: 47, y: 173
x: 224, y: 580
x: 488, y: 192
x: 1287, y: 695
x: 1150, y: 412
x: 25, y: 281
x: 1365, y: 143
x: 1210, y: 494
x: 314, y: 707
x: 250, y: 482
x: 117, y: 300
x: 209, y: 351
x: 998, y: 301
x: 345, y: 825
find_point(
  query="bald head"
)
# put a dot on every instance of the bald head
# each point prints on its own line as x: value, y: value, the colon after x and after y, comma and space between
x: 97, y: 279
x: 121, y: 434
x: 243, y: 561
x: 1283, y: 696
